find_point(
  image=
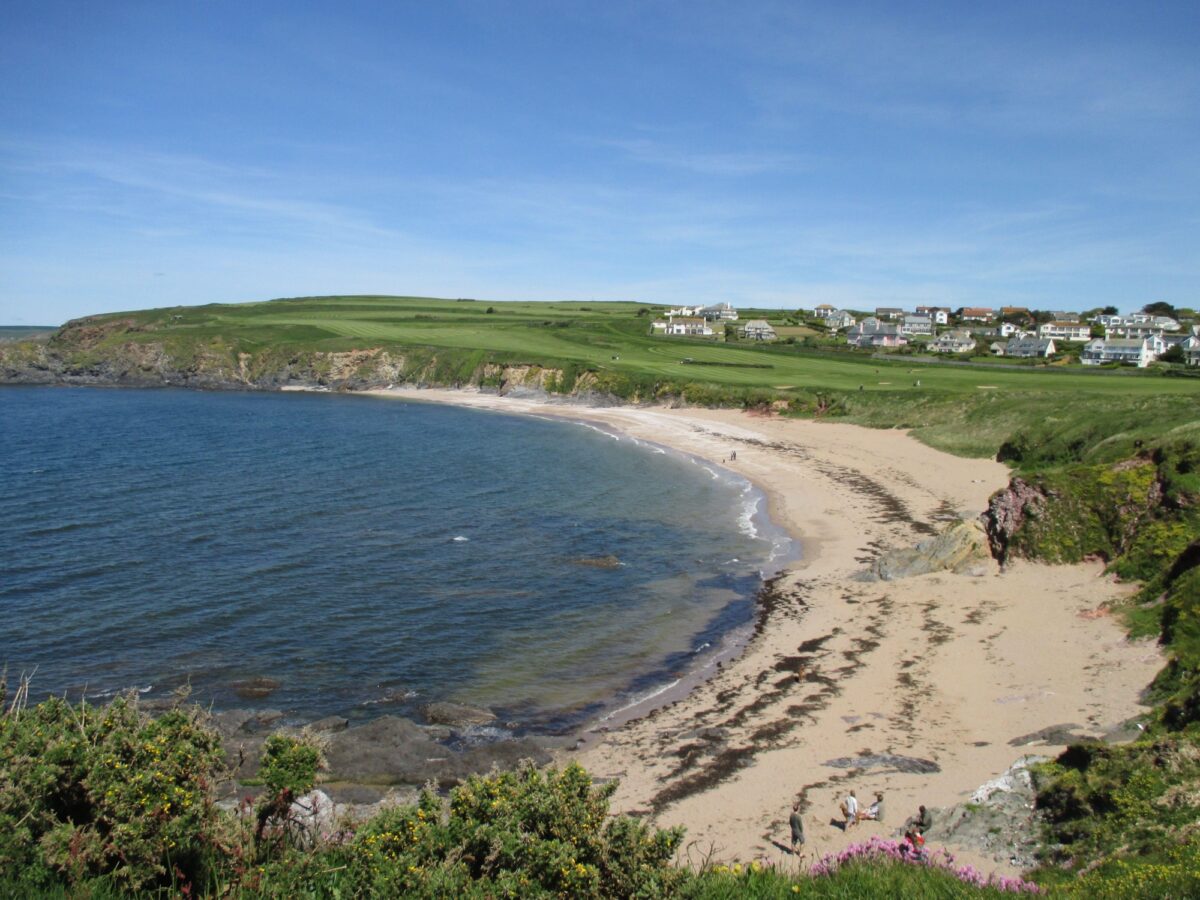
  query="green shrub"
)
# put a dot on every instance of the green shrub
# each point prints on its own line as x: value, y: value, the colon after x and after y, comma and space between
x: 288, y: 769
x: 289, y: 764
x: 88, y: 792
x: 1134, y: 800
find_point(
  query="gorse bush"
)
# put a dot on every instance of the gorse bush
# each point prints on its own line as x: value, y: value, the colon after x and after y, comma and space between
x: 288, y: 768
x: 526, y: 833
x: 108, y: 800
x: 88, y: 792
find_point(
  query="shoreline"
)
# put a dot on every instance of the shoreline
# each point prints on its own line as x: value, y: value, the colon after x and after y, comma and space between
x: 924, y: 688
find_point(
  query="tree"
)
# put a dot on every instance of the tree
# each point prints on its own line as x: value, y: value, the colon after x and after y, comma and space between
x: 1159, y: 308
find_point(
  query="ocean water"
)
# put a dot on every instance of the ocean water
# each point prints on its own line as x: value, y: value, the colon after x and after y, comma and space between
x: 368, y: 555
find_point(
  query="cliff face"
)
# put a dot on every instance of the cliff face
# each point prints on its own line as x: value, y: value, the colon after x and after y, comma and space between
x: 1137, y: 514
x: 119, y: 352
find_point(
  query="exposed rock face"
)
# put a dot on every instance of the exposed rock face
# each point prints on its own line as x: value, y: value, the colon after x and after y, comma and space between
x: 1006, y: 513
x: 315, y: 818
x: 999, y: 819
x: 118, y: 352
x: 961, y: 547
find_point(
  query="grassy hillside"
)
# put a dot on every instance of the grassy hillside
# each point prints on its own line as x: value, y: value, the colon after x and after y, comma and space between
x: 590, y: 335
x: 966, y: 408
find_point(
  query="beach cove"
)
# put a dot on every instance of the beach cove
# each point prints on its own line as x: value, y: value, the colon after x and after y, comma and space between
x: 924, y: 688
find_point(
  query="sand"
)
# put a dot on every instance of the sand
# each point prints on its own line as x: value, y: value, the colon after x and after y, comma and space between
x: 941, y: 675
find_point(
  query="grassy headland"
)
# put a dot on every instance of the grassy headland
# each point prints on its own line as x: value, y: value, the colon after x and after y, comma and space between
x: 602, y: 348
x: 1107, y: 463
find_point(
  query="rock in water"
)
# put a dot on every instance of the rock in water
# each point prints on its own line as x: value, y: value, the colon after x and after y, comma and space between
x: 959, y: 548
x: 456, y: 715
x: 329, y: 725
x: 388, y: 750
x: 255, y: 688
x: 598, y: 562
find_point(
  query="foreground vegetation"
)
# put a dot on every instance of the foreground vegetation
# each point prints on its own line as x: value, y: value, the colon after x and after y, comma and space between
x: 108, y: 802
x: 1106, y: 464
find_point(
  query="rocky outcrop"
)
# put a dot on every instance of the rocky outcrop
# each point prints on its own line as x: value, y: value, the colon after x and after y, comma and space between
x: 118, y: 353
x: 391, y: 750
x: 456, y: 715
x: 999, y: 819
x: 1007, y: 512
x: 961, y: 547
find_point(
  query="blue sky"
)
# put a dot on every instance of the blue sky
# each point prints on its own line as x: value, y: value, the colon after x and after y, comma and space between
x: 775, y: 154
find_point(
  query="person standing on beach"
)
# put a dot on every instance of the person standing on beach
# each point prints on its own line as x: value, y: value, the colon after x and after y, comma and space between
x: 851, y: 809
x: 797, y: 824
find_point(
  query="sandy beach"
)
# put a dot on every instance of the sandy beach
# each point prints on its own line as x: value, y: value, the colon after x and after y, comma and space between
x: 923, y: 688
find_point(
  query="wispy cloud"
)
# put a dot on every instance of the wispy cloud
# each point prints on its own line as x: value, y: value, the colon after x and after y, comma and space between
x: 659, y: 153
x: 79, y: 173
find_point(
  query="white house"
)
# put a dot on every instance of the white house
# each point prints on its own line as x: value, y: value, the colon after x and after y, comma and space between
x: 839, y: 319
x: 889, y: 312
x: 977, y: 314
x: 1029, y: 347
x: 687, y: 325
x: 1127, y: 350
x: 824, y: 311
x: 1191, y: 351
x: 722, y: 312
x: 1144, y: 329
x: 918, y: 325
x: 758, y: 330
x: 939, y: 314
x: 953, y: 342
x: 1065, y: 331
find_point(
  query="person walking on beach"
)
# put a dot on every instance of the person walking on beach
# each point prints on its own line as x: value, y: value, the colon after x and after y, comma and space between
x: 850, y: 807
x: 797, y: 824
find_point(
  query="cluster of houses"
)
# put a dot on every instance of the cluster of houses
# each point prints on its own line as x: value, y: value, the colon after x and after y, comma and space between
x: 699, y: 320
x: 1138, y: 339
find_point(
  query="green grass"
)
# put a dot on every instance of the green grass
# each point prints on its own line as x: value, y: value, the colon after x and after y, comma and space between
x: 590, y: 334
x: 965, y: 408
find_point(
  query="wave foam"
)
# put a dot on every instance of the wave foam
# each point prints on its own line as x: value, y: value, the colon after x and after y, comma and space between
x: 641, y: 698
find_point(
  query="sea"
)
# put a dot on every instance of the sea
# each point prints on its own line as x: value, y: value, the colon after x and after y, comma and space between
x: 357, y: 556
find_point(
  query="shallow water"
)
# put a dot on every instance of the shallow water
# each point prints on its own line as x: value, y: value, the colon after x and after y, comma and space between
x: 368, y: 555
